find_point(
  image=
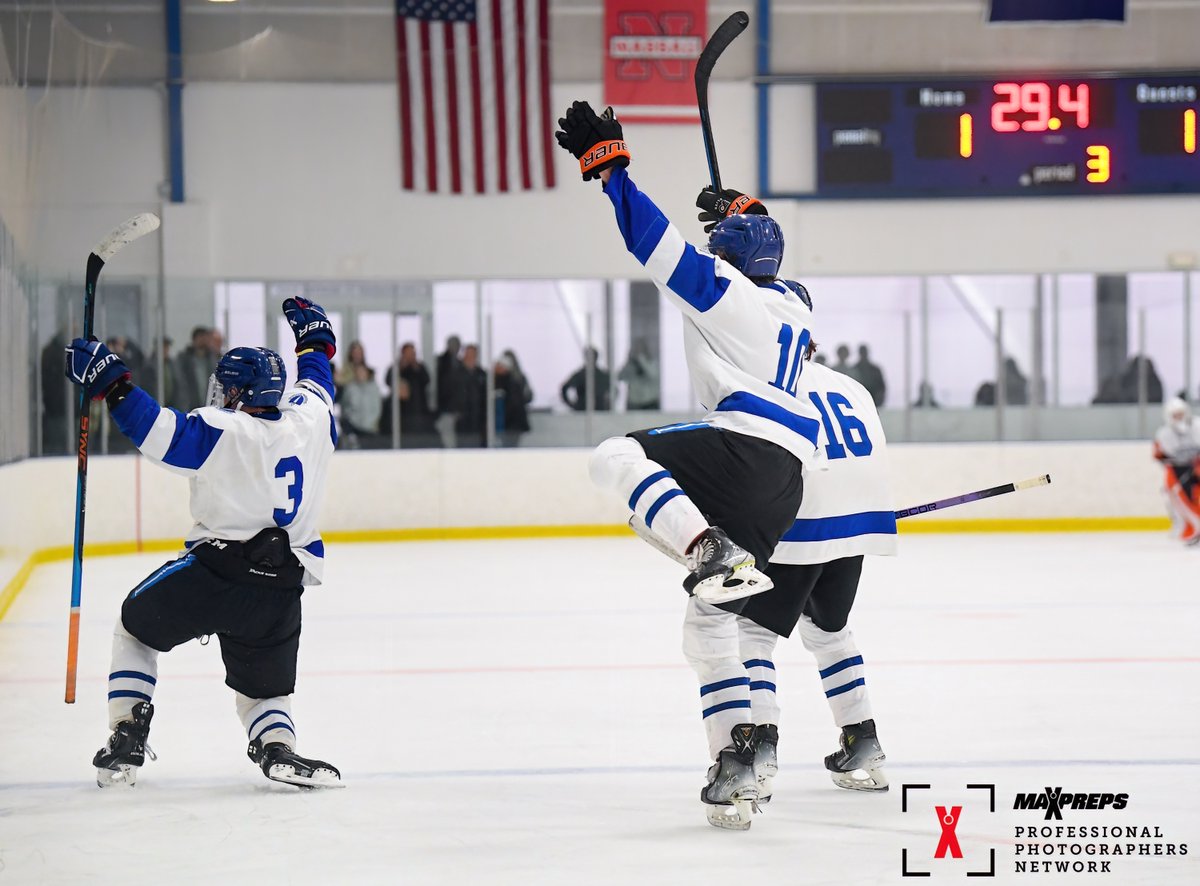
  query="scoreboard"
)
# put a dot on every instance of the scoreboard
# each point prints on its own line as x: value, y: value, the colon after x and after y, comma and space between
x: 1008, y: 137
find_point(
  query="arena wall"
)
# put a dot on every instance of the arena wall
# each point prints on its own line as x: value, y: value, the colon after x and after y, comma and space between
x: 133, y: 505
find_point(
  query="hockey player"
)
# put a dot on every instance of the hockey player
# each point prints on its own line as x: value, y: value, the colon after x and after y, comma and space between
x: 846, y: 514
x: 717, y: 493
x: 257, y: 461
x: 1177, y: 446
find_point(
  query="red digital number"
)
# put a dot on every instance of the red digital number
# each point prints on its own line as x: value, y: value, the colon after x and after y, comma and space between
x: 1001, y: 109
x: 1080, y: 106
x: 1035, y: 99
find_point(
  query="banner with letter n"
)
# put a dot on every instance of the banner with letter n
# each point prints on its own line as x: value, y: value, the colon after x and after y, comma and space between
x: 650, y: 52
x: 1057, y: 10
x: 474, y: 86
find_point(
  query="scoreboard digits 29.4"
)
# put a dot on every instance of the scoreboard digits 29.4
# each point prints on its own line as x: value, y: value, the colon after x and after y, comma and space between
x: 1008, y: 137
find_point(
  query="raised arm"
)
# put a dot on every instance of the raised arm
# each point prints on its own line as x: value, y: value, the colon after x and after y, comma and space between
x: 315, y: 346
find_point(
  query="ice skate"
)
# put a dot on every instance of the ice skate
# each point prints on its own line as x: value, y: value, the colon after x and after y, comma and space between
x: 280, y: 763
x: 766, y: 759
x: 722, y: 571
x: 856, y: 767
x: 731, y: 795
x: 118, y: 761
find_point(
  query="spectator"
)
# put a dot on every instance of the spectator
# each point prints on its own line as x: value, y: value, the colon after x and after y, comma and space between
x: 361, y: 407
x: 1016, y: 387
x: 355, y: 357
x: 1122, y: 386
x: 167, y: 395
x: 925, y: 398
x: 470, y: 397
x: 640, y: 374
x: 513, y: 396
x: 843, y: 362
x: 448, y: 365
x: 417, y: 429
x: 576, y: 385
x: 54, y: 396
x: 870, y: 376
x: 193, y: 365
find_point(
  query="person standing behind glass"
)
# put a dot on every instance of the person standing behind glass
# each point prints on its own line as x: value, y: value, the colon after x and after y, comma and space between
x: 870, y: 376
x: 470, y: 425
x: 355, y: 356
x: 193, y: 365
x: 416, y: 419
x: 54, y: 396
x: 640, y: 374
x: 576, y: 385
x: 513, y: 396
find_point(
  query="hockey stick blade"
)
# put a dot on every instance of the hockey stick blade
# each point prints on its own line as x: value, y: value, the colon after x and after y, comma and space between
x: 125, y: 233
x: 717, y: 44
x: 978, y: 495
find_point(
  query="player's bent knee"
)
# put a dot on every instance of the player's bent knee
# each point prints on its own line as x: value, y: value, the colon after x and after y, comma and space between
x: 609, y: 460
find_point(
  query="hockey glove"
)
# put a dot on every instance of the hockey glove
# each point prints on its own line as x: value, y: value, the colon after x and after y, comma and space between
x: 597, y: 142
x: 310, y: 325
x: 93, y: 366
x: 729, y: 202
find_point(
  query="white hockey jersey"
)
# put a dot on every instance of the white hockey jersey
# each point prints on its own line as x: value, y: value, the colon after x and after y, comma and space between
x: 248, y: 472
x: 1178, y: 445
x: 744, y: 343
x: 847, y: 509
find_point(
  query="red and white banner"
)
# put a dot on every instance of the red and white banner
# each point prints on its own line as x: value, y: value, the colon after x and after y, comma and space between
x: 650, y: 52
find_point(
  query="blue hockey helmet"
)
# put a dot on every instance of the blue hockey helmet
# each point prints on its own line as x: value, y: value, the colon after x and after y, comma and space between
x: 256, y: 374
x: 751, y: 243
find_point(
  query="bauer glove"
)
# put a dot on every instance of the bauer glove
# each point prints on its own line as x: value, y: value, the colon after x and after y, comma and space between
x: 597, y: 142
x: 729, y: 202
x: 94, y: 367
x: 310, y: 325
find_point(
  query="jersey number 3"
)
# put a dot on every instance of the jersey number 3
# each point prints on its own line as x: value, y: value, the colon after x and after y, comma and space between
x: 290, y: 469
x: 854, y: 432
x: 787, y: 373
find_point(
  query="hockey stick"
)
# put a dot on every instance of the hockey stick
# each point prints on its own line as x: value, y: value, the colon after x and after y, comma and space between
x: 1043, y: 480
x: 720, y: 40
x: 120, y: 237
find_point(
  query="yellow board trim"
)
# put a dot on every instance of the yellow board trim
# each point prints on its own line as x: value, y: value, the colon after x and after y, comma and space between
x: 583, y: 530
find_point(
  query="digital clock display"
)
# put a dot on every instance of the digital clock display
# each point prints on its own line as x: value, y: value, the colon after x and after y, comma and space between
x: 1008, y: 137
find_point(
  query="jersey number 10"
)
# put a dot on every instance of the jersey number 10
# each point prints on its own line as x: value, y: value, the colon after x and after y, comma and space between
x: 790, y: 362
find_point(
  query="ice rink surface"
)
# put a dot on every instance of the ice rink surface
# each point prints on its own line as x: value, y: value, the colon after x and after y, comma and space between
x: 519, y: 712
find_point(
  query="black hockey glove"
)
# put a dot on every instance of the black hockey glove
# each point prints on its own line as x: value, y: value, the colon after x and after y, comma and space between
x: 729, y: 202
x: 93, y: 366
x: 597, y: 142
x: 310, y: 325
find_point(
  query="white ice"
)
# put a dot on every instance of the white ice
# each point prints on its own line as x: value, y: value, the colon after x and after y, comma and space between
x: 518, y: 712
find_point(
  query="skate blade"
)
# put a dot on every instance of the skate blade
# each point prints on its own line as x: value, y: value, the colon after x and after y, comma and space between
x: 872, y: 780
x: 746, y: 581
x: 733, y: 816
x: 123, y: 776
x: 321, y: 778
x: 766, y: 788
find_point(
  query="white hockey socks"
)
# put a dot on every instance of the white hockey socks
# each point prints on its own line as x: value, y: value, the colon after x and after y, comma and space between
x: 132, y: 676
x: 269, y: 719
x: 757, y: 649
x: 842, y: 674
x: 620, y: 464
x: 710, y: 644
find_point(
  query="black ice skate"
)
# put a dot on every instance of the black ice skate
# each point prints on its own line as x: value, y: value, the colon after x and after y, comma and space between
x: 856, y: 766
x: 722, y: 571
x: 280, y: 763
x: 118, y: 761
x: 731, y: 795
x: 766, y: 759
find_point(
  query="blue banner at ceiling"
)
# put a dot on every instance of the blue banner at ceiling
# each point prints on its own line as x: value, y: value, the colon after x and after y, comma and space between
x: 1057, y: 10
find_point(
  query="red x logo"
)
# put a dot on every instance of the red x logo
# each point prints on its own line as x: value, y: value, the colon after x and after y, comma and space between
x: 948, y: 821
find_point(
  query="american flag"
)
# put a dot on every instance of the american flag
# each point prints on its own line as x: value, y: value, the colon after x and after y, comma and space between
x: 474, y: 95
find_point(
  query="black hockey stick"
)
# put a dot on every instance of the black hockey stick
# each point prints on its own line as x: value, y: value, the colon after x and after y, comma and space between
x: 120, y: 236
x: 717, y: 43
x: 1043, y: 480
